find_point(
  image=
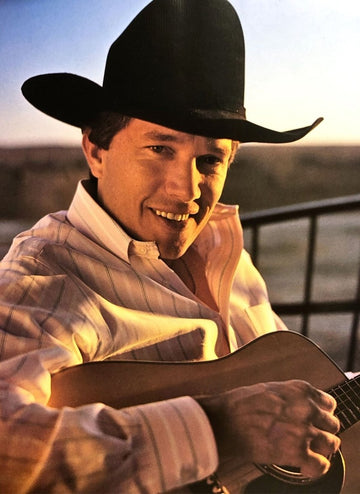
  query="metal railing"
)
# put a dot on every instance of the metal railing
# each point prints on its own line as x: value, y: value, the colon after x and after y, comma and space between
x: 306, y: 307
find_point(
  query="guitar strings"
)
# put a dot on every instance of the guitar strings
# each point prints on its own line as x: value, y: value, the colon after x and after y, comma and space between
x: 348, y: 398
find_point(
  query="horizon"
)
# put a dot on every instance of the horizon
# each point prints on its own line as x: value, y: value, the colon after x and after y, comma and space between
x: 314, y: 46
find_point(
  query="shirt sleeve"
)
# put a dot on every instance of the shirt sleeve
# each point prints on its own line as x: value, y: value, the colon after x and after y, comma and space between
x: 94, y: 448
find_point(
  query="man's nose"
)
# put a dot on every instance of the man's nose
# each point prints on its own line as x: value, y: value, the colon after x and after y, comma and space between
x: 183, y: 180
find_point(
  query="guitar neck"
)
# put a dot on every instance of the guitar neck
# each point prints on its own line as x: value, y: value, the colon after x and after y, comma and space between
x: 347, y: 395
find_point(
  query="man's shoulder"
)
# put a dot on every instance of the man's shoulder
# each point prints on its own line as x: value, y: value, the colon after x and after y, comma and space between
x: 50, y: 230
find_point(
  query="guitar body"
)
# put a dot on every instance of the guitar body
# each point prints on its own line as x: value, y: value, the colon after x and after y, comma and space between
x: 277, y: 356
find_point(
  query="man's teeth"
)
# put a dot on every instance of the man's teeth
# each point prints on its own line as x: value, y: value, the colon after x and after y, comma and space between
x: 172, y: 216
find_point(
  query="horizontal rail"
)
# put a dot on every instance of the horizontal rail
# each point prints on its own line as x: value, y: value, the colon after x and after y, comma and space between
x: 301, y: 210
x: 294, y: 308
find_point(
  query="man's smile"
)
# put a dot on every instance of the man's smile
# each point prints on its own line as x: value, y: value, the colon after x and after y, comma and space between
x: 172, y: 216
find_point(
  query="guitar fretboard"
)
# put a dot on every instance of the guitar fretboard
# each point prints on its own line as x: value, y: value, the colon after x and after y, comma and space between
x: 347, y: 396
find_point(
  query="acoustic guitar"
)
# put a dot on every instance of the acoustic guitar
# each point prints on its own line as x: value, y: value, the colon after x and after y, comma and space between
x: 275, y: 356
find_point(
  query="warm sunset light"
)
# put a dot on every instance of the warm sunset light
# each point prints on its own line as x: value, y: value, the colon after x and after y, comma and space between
x: 301, y: 61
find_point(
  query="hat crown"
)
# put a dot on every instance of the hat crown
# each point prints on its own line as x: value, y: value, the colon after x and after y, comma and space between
x: 179, y: 63
x: 179, y: 54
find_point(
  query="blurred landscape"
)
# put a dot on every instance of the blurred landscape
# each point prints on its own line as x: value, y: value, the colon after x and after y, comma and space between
x: 268, y: 176
x: 36, y: 181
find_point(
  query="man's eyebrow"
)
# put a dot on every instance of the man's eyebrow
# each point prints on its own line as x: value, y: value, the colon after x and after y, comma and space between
x: 161, y: 136
x: 217, y: 149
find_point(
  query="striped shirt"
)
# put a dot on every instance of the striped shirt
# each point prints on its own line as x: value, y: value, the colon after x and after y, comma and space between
x: 76, y: 288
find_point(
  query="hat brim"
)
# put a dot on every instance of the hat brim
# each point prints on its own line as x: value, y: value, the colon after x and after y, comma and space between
x: 75, y: 100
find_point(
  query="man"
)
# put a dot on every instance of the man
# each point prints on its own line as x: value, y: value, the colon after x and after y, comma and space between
x: 146, y: 265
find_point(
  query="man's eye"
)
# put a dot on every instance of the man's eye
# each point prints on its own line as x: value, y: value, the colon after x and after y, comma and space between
x: 157, y: 149
x: 210, y: 160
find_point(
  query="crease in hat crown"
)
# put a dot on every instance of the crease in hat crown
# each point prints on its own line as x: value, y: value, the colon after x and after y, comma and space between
x: 179, y: 63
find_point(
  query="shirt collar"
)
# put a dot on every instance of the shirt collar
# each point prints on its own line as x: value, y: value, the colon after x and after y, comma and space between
x: 88, y: 217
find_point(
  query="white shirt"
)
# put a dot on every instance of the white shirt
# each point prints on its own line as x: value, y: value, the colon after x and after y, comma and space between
x: 77, y: 288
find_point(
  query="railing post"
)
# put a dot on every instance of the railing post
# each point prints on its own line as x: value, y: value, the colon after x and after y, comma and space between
x: 354, y: 329
x: 255, y: 245
x: 309, y: 273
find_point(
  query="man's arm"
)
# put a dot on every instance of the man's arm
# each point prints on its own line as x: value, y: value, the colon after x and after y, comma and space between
x: 46, y: 324
x: 94, y: 448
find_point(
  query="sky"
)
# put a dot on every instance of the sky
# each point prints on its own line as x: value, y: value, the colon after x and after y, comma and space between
x: 302, y: 62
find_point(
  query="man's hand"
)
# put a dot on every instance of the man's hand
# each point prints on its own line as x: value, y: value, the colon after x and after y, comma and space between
x: 287, y: 423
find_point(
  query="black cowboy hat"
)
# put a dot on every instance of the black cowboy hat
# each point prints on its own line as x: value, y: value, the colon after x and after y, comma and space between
x: 180, y: 63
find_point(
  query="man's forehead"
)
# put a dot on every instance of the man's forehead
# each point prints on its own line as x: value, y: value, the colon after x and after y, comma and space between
x: 155, y: 131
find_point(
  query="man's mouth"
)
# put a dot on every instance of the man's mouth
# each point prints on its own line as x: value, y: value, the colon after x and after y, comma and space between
x: 172, y: 216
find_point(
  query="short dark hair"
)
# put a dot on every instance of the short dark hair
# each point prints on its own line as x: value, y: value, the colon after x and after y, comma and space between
x: 104, y: 126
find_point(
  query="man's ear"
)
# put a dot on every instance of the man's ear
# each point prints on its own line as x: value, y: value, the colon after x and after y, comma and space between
x: 93, y: 155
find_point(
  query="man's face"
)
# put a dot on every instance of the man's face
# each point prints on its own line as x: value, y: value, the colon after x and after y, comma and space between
x: 162, y: 185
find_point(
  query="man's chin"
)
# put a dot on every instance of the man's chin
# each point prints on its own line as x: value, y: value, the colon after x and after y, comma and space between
x: 168, y: 257
x: 173, y: 252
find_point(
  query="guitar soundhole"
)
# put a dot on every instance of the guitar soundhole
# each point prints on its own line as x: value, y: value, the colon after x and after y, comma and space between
x: 285, y: 473
x: 288, y: 480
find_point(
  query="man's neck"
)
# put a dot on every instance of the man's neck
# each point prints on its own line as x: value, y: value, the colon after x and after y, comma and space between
x: 191, y: 270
